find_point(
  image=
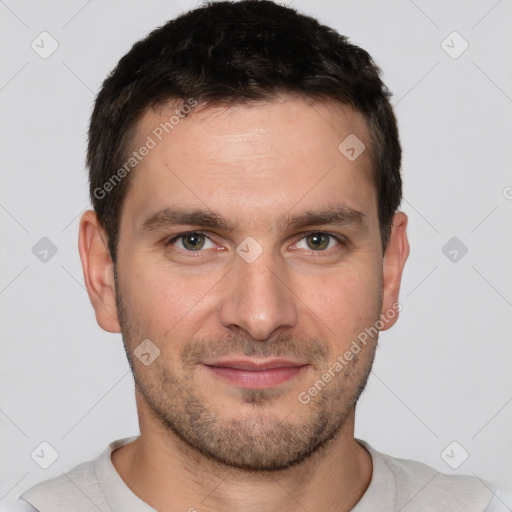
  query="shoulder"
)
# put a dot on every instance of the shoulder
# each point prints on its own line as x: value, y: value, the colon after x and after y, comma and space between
x: 77, y: 486
x: 18, y: 506
x: 78, y: 489
x: 419, y: 487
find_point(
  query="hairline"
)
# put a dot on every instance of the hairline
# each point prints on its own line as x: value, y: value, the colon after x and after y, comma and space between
x: 128, y: 141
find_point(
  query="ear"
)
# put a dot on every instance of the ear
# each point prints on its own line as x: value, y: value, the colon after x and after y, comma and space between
x: 394, y: 259
x: 98, y: 271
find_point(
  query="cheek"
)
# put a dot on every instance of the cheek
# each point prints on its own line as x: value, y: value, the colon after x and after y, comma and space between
x: 346, y: 301
x: 163, y: 299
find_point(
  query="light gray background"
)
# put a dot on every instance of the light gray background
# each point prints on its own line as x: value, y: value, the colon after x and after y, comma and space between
x: 442, y: 374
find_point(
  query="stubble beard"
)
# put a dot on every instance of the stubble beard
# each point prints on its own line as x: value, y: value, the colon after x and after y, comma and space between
x: 255, y: 440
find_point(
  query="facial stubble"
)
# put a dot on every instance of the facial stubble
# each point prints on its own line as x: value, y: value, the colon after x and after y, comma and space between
x: 255, y: 439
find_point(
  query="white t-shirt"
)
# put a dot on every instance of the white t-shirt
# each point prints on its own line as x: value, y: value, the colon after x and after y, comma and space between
x: 396, y: 485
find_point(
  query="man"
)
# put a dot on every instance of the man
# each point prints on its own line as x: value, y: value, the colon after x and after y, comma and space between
x: 246, y: 241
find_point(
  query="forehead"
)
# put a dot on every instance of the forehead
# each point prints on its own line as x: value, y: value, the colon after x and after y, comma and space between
x: 265, y: 157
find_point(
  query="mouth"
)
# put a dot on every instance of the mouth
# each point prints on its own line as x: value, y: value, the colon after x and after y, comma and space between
x: 256, y: 373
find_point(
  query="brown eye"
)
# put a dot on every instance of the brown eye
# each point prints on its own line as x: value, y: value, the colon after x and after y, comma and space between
x: 192, y: 241
x: 318, y: 241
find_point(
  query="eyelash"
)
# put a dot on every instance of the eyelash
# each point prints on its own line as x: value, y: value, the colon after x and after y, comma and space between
x: 341, y: 240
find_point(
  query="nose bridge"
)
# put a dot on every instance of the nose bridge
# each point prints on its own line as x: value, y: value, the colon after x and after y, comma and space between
x: 258, y: 299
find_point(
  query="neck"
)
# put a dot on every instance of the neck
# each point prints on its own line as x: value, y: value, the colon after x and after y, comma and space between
x: 169, y: 475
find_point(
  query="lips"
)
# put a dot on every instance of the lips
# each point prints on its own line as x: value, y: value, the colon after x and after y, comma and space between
x: 255, y: 373
x: 256, y: 364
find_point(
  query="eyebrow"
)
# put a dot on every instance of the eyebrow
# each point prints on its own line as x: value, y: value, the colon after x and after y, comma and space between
x: 339, y: 215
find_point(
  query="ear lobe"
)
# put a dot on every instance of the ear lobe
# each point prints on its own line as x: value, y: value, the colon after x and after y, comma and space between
x: 394, y: 260
x: 98, y: 271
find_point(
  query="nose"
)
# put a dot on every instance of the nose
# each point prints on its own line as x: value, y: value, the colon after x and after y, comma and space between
x: 259, y: 297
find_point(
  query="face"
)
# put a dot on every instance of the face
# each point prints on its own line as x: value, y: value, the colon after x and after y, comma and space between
x: 250, y: 257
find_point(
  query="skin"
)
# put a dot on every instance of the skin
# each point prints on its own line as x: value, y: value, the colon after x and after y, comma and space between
x: 204, y: 443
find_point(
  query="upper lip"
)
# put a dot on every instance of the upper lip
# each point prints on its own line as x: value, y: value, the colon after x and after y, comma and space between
x: 256, y: 364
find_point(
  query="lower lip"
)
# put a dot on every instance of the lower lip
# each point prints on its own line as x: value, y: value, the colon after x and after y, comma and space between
x: 256, y: 379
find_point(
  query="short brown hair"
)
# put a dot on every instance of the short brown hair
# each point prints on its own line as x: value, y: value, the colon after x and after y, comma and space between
x: 231, y: 53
